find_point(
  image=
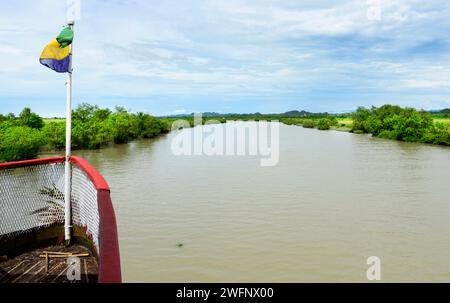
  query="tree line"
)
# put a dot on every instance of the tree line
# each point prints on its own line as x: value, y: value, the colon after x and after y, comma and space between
x: 404, y: 124
x: 322, y: 123
x: 25, y: 136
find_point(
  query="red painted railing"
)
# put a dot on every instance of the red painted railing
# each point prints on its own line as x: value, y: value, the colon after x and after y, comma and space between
x: 108, y: 250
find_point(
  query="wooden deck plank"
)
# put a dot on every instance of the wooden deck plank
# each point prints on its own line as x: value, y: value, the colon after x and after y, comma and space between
x: 4, y: 270
x: 22, y: 275
x: 30, y: 268
x: 12, y: 272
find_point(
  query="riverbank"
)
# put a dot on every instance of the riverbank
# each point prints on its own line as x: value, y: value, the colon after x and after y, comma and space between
x: 26, y: 136
x: 388, y: 122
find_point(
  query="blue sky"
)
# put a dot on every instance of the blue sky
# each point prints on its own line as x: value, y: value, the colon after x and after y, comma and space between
x: 170, y: 57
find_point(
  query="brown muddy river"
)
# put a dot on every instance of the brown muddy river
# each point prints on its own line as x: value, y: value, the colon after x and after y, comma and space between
x: 333, y: 200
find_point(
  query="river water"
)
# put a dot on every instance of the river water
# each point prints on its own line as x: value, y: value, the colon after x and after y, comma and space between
x: 333, y: 200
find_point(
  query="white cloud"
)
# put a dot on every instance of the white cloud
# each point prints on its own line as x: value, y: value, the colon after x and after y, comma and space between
x: 9, y: 50
x: 228, y: 48
x: 414, y: 83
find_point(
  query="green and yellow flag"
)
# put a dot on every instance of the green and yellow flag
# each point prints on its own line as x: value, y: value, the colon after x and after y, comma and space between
x: 56, y: 55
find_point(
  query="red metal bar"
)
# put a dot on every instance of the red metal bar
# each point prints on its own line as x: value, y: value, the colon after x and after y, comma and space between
x: 109, y: 267
x: 96, y: 178
x: 31, y: 162
x: 109, y: 256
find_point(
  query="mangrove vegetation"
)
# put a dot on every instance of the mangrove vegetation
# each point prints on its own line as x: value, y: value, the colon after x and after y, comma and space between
x: 25, y: 136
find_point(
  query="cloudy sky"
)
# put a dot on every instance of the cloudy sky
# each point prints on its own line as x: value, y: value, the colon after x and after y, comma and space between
x: 168, y: 57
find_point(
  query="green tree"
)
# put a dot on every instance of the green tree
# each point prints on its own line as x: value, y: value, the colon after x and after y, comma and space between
x: 438, y: 134
x: 55, y: 133
x: 405, y: 124
x: 89, y: 127
x: 124, y: 126
x: 20, y: 143
x: 84, y: 112
x: 309, y: 123
x: 30, y: 119
x: 149, y: 126
x: 323, y: 124
x: 359, y: 117
x: 333, y: 120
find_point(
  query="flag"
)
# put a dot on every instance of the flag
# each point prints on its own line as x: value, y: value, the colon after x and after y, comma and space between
x: 56, y: 55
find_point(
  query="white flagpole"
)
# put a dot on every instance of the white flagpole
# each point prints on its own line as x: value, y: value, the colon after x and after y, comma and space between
x: 68, y: 174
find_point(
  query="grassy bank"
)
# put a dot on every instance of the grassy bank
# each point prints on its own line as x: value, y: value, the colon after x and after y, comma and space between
x: 445, y: 121
x: 388, y: 121
x: 346, y: 124
x: 27, y: 135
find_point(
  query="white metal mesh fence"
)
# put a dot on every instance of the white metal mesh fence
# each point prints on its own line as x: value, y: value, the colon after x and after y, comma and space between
x: 33, y: 197
x: 85, y: 204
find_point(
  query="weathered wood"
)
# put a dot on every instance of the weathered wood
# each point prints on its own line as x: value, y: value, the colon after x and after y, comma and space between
x: 31, y: 268
x: 46, y: 262
x: 57, y: 253
x: 63, y: 256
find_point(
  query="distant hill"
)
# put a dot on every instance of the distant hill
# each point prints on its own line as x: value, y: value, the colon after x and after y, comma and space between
x: 296, y: 113
x: 293, y: 113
